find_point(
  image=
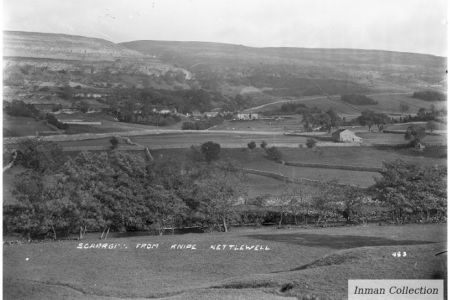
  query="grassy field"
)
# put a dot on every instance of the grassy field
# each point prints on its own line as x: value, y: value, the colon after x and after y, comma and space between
x: 387, y: 103
x: 353, y: 156
x: 22, y: 126
x: 312, y: 261
x: 395, y: 139
x: 391, y: 103
x: 240, y: 140
x: 286, y: 123
x: 260, y: 185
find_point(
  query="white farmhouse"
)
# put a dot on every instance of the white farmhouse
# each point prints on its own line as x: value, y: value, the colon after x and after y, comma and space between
x: 345, y: 136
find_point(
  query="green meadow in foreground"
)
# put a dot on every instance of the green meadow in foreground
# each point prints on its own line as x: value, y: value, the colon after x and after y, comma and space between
x: 300, y: 263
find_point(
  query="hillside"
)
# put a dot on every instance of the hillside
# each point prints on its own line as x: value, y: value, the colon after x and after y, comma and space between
x: 63, y: 46
x: 59, y: 71
x: 35, y: 60
x: 298, y: 71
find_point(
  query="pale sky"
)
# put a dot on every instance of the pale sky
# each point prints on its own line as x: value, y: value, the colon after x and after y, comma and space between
x: 399, y: 25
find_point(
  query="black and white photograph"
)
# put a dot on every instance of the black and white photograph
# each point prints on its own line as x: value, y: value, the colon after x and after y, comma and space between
x: 224, y: 149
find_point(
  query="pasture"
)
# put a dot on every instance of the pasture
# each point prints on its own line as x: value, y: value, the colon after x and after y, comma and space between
x: 387, y: 103
x: 23, y: 126
x: 304, y: 259
x: 180, y: 139
x: 275, y: 124
x: 351, y: 156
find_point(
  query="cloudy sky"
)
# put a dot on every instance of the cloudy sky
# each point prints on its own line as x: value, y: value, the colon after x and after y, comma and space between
x: 399, y: 25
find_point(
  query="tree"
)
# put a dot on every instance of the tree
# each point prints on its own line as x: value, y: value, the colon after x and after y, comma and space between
x: 101, y: 191
x: 381, y: 119
x: 114, y: 142
x: 21, y: 109
x: 324, y: 120
x: 335, y: 120
x: 28, y: 216
x: 39, y: 155
x: 311, y: 143
x: 273, y: 153
x: 263, y: 144
x: 251, y: 145
x: 219, y: 190
x: 83, y: 106
x: 210, y: 151
x: 369, y: 118
x: 422, y: 113
x: 66, y: 92
x: 282, y: 203
x: 165, y: 207
x: 308, y: 121
x: 411, y: 191
x: 51, y: 119
x: 415, y: 134
x: 300, y: 201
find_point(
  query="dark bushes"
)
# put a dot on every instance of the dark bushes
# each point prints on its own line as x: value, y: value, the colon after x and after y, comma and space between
x: 357, y: 99
x: 430, y: 96
x: 274, y: 154
x: 202, y: 124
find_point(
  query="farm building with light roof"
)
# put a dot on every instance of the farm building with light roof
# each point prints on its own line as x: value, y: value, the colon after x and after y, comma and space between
x: 345, y: 136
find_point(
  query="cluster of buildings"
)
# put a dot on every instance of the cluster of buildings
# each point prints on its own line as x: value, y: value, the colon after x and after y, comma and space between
x: 220, y: 112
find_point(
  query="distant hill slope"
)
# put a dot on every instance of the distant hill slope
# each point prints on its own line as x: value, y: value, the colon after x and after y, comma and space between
x: 299, y: 71
x: 32, y: 60
x: 63, y: 46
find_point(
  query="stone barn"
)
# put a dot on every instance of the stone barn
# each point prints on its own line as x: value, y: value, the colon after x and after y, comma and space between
x: 345, y: 136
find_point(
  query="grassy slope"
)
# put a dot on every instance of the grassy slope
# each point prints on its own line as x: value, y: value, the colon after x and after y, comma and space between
x: 387, y: 103
x: 163, y: 272
x: 328, y: 276
x: 369, y: 69
x: 356, y: 156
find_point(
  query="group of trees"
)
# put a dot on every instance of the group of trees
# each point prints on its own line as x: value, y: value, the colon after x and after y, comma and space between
x: 370, y: 118
x: 21, y: 109
x: 430, y: 95
x: 404, y: 193
x: 128, y: 100
x: 51, y: 119
x: 133, y: 113
x: 202, y: 124
x: 325, y: 120
x: 412, y: 192
x: 119, y: 191
x: 291, y: 108
x: 312, y: 117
